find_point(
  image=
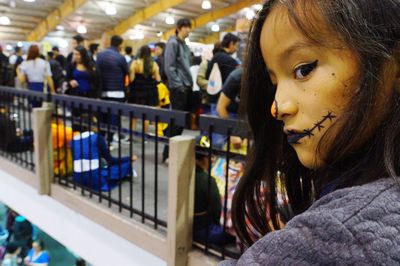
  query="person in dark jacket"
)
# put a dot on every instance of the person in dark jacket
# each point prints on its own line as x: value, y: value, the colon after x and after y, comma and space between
x: 322, y: 93
x: 76, y: 40
x: 59, y: 57
x: 56, y: 71
x: 112, y: 70
x: 177, y: 68
x: 159, y: 58
x: 224, y: 59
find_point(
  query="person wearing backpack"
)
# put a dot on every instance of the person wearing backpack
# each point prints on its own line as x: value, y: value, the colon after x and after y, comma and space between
x: 224, y: 60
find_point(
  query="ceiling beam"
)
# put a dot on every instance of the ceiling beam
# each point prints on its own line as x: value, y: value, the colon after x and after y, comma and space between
x: 215, y: 15
x: 144, y: 14
x: 54, y: 18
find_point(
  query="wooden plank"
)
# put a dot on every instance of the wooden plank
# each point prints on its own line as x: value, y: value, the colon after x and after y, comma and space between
x: 181, y: 177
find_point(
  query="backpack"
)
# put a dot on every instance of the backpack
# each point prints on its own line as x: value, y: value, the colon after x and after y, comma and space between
x: 214, y: 85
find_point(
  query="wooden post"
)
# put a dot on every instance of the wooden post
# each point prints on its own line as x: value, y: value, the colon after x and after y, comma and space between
x: 43, y: 147
x: 180, y: 199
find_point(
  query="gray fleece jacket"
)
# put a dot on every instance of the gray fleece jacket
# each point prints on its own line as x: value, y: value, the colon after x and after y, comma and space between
x: 352, y: 226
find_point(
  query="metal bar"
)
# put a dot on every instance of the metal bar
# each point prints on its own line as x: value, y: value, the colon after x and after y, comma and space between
x: 131, y: 155
x: 143, y: 165
x: 226, y: 188
x: 156, y: 175
x: 208, y: 196
x: 119, y: 163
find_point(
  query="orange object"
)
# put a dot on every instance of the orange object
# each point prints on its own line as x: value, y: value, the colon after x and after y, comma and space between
x: 62, y: 133
x: 274, y: 109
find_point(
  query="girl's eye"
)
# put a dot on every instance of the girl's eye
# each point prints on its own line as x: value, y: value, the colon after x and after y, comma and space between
x: 303, y: 71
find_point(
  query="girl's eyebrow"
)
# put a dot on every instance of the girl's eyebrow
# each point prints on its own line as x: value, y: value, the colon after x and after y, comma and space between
x: 287, y: 53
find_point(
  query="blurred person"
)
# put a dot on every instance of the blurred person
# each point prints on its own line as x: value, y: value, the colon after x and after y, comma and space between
x: 223, y: 57
x: 228, y: 102
x: 225, y: 61
x: 93, y: 50
x: 196, y: 98
x: 4, y: 62
x: 80, y: 262
x: 177, y: 69
x: 11, y: 257
x: 94, y: 166
x: 37, y: 255
x: 59, y: 57
x: 207, y: 207
x: 128, y: 54
x: 82, y: 80
x: 81, y: 74
x: 112, y: 69
x: 56, y: 71
x: 76, y: 40
x: 144, y: 75
x: 159, y: 58
x: 36, y: 72
x: 15, y: 60
x: 202, y: 81
x: 22, y: 232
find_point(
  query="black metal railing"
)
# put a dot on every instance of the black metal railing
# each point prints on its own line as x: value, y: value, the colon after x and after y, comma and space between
x: 220, y: 154
x: 16, y: 134
x: 103, y: 169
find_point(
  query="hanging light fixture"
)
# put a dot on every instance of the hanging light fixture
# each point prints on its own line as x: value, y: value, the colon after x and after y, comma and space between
x: 60, y: 28
x: 215, y: 27
x: 20, y: 44
x: 159, y: 34
x: 170, y: 20
x: 63, y: 43
x: 206, y: 5
x: 29, y: 1
x: 81, y: 29
x: 110, y: 9
x: 4, y: 20
x: 257, y: 7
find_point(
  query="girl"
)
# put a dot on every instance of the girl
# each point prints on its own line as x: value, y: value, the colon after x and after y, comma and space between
x: 321, y: 90
x: 81, y: 74
x: 35, y: 72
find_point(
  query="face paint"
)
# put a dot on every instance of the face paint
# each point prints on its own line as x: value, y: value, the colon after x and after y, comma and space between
x: 274, y: 109
x: 293, y: 137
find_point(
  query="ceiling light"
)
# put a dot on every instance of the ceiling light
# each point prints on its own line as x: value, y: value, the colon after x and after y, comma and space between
x: 59, y: 27
x: 20, y: 44
x: 13, y: 4
x: 159, y: 34
x: 170, y: 20
x: 9, y: 47
x: 81, y: 29
x: 63, y: 44
x: 215, y: 27
x: 206, y: 4
x: 111, y: 10
x: 4, y: 20
x: 137, y: 35
x: 250, y: 14
x: 29, y: 1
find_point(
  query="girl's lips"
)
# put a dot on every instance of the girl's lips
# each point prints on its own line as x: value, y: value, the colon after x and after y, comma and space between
x: 293, y: 137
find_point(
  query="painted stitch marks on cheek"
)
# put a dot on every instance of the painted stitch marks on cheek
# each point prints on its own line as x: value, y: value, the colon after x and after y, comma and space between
x: 294, y: 137
x: 319, y: 125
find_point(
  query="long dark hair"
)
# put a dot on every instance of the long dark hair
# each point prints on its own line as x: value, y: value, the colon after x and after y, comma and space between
x: 145, y: 55
x: 371, y: 29
x: 85, y: 59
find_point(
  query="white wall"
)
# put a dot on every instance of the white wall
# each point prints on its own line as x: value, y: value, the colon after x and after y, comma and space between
x: 93, y: 242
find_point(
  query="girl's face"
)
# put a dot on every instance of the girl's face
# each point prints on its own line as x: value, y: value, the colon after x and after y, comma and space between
x: 313, y: 84
x: 77, y: 57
